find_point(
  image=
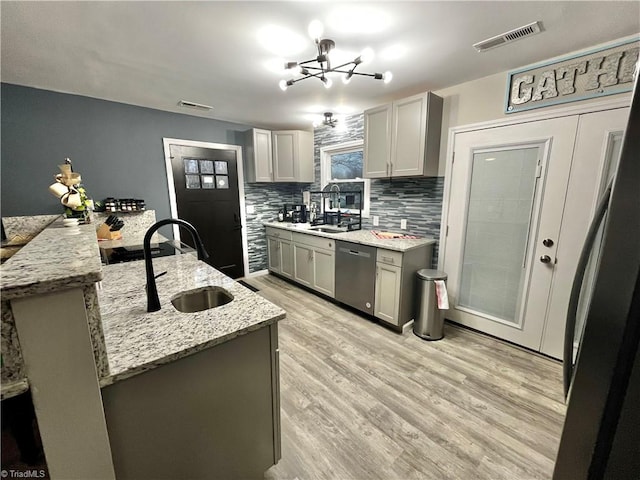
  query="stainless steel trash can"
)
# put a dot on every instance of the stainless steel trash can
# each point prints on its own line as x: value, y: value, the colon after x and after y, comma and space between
x: 429, y: 321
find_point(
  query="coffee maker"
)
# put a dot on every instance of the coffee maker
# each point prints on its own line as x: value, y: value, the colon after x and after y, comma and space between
x: 295, y: 213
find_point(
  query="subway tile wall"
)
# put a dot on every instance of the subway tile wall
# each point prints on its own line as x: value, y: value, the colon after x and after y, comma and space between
x: 267, y: 199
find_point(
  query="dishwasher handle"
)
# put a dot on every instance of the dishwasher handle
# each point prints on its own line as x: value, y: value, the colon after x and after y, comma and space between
x: 354, y: 252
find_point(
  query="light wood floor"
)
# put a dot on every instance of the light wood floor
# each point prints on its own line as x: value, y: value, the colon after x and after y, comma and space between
x: 360, y: 401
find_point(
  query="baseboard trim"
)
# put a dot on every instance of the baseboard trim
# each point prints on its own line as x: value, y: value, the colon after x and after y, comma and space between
x: 258, y: 273
x: 407, y: 326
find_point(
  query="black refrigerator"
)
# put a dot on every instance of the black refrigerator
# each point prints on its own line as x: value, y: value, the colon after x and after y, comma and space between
x: 601, y: 433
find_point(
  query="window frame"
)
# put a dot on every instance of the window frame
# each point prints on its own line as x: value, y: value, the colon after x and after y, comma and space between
x: 325, y: 170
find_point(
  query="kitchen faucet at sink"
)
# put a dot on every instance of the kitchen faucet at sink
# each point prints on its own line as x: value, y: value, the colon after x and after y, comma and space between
x: 153, y: 302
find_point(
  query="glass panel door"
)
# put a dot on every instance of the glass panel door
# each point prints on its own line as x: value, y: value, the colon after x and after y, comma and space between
x: 503, y: 214
x: 499, y: 216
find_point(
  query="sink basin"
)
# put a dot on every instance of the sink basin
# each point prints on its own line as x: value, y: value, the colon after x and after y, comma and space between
x: 327, y: 230
x: 201, y: 299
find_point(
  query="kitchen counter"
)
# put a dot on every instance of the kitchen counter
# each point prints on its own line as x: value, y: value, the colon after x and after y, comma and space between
x: 364, y: 237
x: 58, y: 258
x: 137, y: 341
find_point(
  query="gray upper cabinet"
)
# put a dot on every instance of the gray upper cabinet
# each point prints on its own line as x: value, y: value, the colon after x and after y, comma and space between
x: 258, y: 156
x: 292, y: 156
x: 402, y: 139
x: 283, y: 156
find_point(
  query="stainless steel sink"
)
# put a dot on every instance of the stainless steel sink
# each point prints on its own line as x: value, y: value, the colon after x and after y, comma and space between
x: 201, y: 299
x: 327, y: 230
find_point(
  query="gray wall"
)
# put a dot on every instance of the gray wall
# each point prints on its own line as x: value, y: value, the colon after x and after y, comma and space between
x: 116, y: 147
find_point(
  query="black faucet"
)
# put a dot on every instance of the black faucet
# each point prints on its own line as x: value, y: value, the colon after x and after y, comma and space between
x: 153, y: 302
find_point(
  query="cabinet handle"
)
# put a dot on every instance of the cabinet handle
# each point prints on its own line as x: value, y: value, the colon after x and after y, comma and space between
x: 387, y: 171
x: 388, y: 259
x: 391, y: 168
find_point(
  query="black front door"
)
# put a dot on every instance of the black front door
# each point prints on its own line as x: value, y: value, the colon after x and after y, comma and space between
x: 207, y: 196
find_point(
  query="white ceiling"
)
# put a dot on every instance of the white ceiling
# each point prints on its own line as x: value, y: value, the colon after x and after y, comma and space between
x: 154, y: 54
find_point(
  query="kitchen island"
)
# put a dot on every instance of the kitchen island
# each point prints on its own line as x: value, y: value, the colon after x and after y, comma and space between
x: 96, y: 363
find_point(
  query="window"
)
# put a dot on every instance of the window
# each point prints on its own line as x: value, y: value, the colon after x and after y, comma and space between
x: 342, y: 164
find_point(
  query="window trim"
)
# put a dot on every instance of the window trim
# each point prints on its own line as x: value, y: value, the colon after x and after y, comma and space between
x: 325, y: 169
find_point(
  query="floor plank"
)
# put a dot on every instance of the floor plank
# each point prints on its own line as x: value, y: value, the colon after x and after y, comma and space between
x: 360, y: 401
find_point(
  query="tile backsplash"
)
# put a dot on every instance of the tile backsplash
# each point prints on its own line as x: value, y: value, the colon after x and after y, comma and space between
x: 418, y: 200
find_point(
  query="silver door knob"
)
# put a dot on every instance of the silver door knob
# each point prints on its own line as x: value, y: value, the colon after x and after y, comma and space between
x: 547, y: 242
x: 545, y: 259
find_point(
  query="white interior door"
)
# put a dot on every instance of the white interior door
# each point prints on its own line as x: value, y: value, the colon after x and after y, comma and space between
x: 596, y: 155
x: 520, y: 204
x: 508, y: 187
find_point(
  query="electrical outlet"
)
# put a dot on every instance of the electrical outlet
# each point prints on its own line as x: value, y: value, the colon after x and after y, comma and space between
x: 403, y: 224
x: 251, y: 209
x: 376, y: 220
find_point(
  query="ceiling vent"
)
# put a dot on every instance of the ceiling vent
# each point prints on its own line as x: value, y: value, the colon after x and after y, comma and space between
x: 195, y: 106
x: 508, y: 37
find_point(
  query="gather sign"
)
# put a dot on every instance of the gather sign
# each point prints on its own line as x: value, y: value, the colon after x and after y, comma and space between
x: 598, y: 73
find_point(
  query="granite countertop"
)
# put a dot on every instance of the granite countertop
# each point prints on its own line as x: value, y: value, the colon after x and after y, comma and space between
x: 137, y: 341
x: 58, y: 258
x: 364, y: 237
x: 129, y: 240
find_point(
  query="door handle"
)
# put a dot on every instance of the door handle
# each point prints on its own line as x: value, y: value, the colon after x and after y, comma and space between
x: 545, y: 259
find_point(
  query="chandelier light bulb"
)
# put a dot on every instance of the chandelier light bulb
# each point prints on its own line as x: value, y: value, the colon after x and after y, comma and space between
x: 315, y: 29
x: 346, y: 79
x: 327, y: 82
x: 387, y: 76
x: 366, y: 55
x: 297, y: 70
x: 283, y: 85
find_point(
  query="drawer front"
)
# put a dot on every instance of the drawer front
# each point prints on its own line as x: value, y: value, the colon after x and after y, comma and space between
x: 279, y: 233
x: 314, y: 241
x: 389, y: 257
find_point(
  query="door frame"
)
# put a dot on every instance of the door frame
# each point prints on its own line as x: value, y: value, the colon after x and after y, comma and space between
x: 173, y: 204
x: 620, y: 102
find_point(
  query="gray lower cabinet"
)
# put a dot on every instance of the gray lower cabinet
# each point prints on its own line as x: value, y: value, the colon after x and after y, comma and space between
x: 314, y: 263
x: 387, y: 302
x: 311, y: 261
x: 280, y: 252
x: 213, y: 414
x: 396, y: 280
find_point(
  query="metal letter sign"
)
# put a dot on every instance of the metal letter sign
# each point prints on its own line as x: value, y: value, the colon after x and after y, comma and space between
x: 598, y: 73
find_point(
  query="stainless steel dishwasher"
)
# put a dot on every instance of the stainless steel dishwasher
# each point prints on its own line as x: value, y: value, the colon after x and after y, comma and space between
x: 355, y: 275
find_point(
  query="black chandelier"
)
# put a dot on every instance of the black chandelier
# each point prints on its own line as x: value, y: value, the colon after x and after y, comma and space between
x: 323, y: 63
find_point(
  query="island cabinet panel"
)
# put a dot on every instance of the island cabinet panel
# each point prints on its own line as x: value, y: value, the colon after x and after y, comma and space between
x: 214, y: 414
